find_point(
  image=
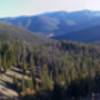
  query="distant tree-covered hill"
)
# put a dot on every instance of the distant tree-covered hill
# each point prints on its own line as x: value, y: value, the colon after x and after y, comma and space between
x: 68, y: 25
x: 90, y: 34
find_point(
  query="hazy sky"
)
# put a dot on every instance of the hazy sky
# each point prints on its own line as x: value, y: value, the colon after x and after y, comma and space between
x: 31, y: 7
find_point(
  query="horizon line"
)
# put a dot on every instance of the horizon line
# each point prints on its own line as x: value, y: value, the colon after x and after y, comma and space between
x: 41, y: 13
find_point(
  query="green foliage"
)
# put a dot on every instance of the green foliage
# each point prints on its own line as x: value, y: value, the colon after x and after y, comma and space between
x: 46, y: 80
x: 64, y: 63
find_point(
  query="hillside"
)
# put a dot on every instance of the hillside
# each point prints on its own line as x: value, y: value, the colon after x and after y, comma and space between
x: 12, y: 33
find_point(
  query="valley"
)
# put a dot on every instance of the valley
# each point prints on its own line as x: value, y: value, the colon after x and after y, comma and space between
x: 52, y: 56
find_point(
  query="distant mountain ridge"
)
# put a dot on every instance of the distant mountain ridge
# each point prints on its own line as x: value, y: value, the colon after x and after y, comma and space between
x: 67, y: 25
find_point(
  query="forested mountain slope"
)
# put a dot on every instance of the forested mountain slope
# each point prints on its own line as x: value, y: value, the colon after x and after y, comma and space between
x: 51, y: 70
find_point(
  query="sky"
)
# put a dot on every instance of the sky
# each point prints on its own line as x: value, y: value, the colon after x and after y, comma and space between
x: 9, y: 8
